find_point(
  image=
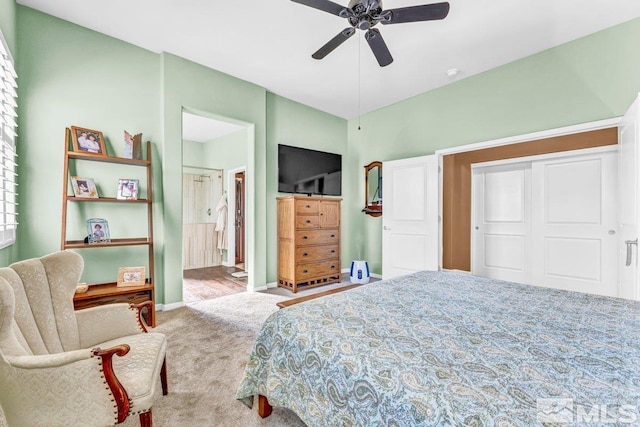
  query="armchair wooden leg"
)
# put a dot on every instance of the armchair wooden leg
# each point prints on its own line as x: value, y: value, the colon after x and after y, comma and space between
x: 163, y: 377
x: 146, y: 420
x: 264, y: 409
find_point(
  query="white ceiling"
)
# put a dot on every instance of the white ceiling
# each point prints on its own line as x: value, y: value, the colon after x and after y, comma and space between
x: 270, y: 43
x: 203, y: 129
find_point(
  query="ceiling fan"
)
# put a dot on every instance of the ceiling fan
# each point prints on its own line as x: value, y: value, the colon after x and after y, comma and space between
x: 365, y: 14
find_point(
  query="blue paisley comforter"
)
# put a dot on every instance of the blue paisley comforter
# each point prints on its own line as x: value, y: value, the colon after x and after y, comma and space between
x: 445, y: 348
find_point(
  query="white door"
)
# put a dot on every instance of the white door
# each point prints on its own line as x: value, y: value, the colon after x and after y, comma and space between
x: 410, y: 216
x: 501, y: 222
x: 628, y: 213
x: 574, y: 223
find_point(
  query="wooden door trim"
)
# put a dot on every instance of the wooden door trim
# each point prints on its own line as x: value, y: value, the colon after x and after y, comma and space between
x: 240, y: 242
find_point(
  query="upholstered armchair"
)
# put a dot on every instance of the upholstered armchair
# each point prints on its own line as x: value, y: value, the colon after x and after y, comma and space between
x: 92, y: 367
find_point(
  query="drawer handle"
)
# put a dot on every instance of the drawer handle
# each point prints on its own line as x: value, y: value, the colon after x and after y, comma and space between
x: 333, y: 251
x: 304, y: 237
x: 305, y: 254
x: 305, y: 271
x: 308, y: 206
x: 308, y: 221
x: 333, y: 266
x: 333, y: 235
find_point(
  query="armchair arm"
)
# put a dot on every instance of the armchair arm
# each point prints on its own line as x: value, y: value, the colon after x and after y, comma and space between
x: 36, y: 390
x: 119, y: 393
x: 107, y: 322
x: 138, y: 307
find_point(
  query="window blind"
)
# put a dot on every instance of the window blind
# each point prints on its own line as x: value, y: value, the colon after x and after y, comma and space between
x: 8, y: 156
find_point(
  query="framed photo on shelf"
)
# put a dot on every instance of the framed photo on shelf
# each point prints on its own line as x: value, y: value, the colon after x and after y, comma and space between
x: 84, y: 187
x: 98, y: 230
x: 128, y: 189
x: 88, y: 141
x: 132, y: 146
x: 131, y: 276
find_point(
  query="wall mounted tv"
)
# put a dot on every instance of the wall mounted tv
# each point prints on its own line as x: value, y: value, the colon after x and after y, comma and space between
x: 305, y: 171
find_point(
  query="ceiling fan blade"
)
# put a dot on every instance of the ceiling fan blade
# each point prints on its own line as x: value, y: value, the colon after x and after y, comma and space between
x: 379, y: 47
x: 324, y: 5
x: 334, y: 43
x: 426, y: 12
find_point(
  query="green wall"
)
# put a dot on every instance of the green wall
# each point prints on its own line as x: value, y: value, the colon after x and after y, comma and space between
x: 193, y: 154
x: 8, y: 23
x: 227, y: 152
x: 8, y: 28
x: 592, y: 78
x: 291, y: 123
x: 72, y: 76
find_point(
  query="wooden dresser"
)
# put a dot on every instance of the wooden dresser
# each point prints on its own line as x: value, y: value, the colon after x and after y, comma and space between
x: 308, y: 241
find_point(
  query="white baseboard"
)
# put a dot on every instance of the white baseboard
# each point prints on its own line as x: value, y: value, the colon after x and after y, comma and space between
x: 272, y: 285
x: 377, y: 276
x: 257, y: 288
x: 169, y: 307
x: 229, y: 264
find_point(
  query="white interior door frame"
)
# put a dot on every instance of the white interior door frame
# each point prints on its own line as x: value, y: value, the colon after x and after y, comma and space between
x: 629, y: 201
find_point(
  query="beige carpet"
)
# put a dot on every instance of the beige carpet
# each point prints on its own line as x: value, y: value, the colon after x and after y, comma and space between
x: 209, y: 345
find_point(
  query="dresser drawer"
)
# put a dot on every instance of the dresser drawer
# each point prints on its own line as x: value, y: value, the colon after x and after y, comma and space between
x: 307, y: 221
x: 307, y: 207
x: 317, y: 269
x: 317, y: 253
x: 317, y: 237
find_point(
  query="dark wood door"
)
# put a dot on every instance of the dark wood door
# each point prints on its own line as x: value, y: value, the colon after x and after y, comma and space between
x: 239, y: 209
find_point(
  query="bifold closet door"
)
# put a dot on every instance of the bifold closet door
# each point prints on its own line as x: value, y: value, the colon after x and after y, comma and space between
x: 501, y: 228
x: 574, y: 223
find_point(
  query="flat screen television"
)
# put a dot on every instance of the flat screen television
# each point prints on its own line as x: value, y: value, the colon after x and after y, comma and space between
x: 305, y: 171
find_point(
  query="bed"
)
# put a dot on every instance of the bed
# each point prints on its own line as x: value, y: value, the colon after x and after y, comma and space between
x: 447, y: 348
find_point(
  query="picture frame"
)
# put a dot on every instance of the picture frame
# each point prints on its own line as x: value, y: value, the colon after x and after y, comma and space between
x: 88, y: 141
x: 98, y: 231
x: 131, y: 276
x: 132, y: 146
x: 84, y: 187
x: 128, y: 189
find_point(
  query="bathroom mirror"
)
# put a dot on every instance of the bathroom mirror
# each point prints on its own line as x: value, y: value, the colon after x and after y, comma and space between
x: 373, y: 189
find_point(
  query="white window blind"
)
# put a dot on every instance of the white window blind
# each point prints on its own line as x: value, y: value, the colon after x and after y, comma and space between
x: 8, y: 156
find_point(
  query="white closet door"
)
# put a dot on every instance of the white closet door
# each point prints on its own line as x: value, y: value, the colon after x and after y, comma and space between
x: 501, y: 230
x: 410, y: 219
x: 574, y: 222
